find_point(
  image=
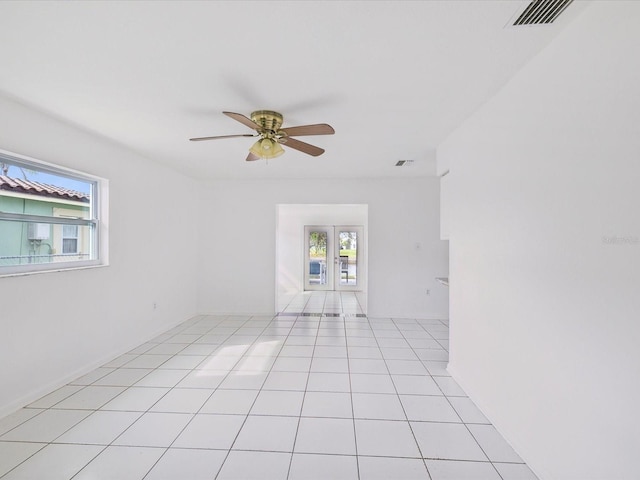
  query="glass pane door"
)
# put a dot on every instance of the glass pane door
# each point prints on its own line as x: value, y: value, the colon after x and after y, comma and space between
x: 334, y: 258
x: 348, y: 259
x: 318, y: 264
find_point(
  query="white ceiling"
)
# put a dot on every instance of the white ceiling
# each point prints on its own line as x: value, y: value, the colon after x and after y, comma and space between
x: 393, y: 78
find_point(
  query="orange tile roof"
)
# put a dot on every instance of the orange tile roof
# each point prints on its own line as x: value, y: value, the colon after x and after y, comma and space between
x: 41, y: 189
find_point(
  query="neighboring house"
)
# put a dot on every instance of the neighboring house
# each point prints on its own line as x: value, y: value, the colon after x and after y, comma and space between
x: 22, y: 242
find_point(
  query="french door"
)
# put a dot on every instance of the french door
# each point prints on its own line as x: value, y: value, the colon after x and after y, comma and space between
x: 334, y: 257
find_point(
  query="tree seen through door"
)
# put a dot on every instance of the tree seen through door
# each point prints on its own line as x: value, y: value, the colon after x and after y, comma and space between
x: 318, y: 257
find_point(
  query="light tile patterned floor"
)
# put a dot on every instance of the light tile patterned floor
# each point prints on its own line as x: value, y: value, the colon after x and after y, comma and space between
x: 327, y: 302
x: 304, y: 396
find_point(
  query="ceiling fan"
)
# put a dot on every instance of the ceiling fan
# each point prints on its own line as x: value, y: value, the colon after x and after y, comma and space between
x: 267, y: 125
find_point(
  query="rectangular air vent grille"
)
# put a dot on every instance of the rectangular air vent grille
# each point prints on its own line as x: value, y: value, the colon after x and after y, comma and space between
x: 542, y: 12
x: 404, y: 163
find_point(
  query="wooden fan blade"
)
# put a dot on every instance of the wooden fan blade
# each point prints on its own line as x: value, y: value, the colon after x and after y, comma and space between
x: 251, y: 157
x: 302, y: 146
x: 243, y: 120
x: 198, y: 139
x: 317, y: 129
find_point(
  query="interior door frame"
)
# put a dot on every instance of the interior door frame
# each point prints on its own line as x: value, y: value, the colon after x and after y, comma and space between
x: 332, y: 272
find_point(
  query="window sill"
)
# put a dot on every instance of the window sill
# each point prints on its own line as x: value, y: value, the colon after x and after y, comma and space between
x: 11, y: 272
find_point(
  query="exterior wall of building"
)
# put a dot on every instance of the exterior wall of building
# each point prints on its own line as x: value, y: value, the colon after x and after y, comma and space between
x: 43, y: 244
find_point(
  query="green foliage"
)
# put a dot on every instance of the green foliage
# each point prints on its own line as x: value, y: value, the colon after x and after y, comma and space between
x: 318, y: 244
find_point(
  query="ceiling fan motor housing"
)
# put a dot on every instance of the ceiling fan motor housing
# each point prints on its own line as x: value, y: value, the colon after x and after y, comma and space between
x: 269, y: 120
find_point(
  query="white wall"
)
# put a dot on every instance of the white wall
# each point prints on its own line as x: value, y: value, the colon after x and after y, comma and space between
x: 56, y: 326
x: 238, y: 270
x: 544, y: 304
x: 290, y: 241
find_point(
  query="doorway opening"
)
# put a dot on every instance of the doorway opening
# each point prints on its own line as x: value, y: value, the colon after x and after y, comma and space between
x: 321, y: 248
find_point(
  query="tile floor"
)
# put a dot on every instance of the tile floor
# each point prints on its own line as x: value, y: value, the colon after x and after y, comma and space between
x: 328, y: 302
x: 320, y: 395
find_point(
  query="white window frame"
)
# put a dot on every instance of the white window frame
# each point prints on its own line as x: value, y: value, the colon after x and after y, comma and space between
x: 74, y: 238
x: 97, y: 220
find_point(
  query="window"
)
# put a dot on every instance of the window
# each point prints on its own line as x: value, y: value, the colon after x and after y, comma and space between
x: 49, y: 217
x: 70, y: 239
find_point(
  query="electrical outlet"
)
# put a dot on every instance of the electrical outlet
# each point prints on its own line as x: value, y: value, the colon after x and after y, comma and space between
x: 155, y: 305
x: 428, y: 292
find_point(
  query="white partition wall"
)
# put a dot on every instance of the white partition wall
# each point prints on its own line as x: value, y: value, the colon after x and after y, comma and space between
x: 405, y: 252
x: 545, y: 252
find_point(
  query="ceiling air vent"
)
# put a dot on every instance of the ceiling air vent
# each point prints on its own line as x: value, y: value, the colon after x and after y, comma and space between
x: 542, y: 12
x: 404, y: 163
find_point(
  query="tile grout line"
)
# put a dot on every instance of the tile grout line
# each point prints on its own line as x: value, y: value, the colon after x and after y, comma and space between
x: 141, y: 413
x: 193, y: 416
x: 400, y: 401
x: 449, y: 402
x: 304, y: 395
x: 274, y: 318
x: 353, y: 412
x: 254, y: 400
x: 148, y: 410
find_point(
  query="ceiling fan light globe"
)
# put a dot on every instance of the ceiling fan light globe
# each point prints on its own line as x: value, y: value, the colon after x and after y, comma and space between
x: 266, y: 149
x: 276, y: 150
